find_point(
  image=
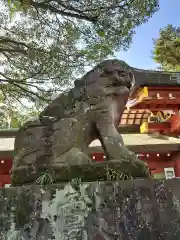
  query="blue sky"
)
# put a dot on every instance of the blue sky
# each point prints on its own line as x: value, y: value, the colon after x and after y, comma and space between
x: 139, y: 54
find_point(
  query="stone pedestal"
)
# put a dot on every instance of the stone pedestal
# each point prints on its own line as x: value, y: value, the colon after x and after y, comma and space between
x: 130, y: 210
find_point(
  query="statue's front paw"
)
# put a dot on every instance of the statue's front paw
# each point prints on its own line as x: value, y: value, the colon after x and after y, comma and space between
x: 129, y: 163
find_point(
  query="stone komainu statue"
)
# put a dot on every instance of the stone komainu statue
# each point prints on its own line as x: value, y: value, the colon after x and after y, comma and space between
x: 60, y: 136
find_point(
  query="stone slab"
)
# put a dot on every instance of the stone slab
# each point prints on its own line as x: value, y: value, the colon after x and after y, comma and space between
x: 87, y: 172
x: 127, y: 210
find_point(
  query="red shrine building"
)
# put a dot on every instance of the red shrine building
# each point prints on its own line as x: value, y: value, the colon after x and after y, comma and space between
x: 150, y: 127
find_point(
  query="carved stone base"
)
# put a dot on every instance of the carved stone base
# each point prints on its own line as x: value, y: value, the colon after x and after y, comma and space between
x: 109, y: 170
x: 128, y: 210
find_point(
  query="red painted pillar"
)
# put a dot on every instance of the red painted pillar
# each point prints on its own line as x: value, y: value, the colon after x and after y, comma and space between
x: 175, y: 123
x: 177, y: 164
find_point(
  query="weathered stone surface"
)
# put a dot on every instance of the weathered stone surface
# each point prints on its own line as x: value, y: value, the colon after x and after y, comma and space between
x: 129, y: 210
x: 89, y: 111
x: 76, y: 164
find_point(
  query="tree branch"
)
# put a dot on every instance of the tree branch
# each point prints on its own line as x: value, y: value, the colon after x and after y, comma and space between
x: 113, y: 6
x: 12, y: 50
x: 63, y: 13
x: 29, y: 92
x: 69, y: 7
x: 8, y: 40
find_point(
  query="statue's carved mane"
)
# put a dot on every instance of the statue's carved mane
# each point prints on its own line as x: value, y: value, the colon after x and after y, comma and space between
x: 78, y: 92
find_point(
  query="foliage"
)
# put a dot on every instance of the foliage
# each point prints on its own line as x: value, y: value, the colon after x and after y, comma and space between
x: 112, y: 175
x: 44, y: 45
x: 167, y: 48
x: 44, y: 179
x: 14, y: 118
